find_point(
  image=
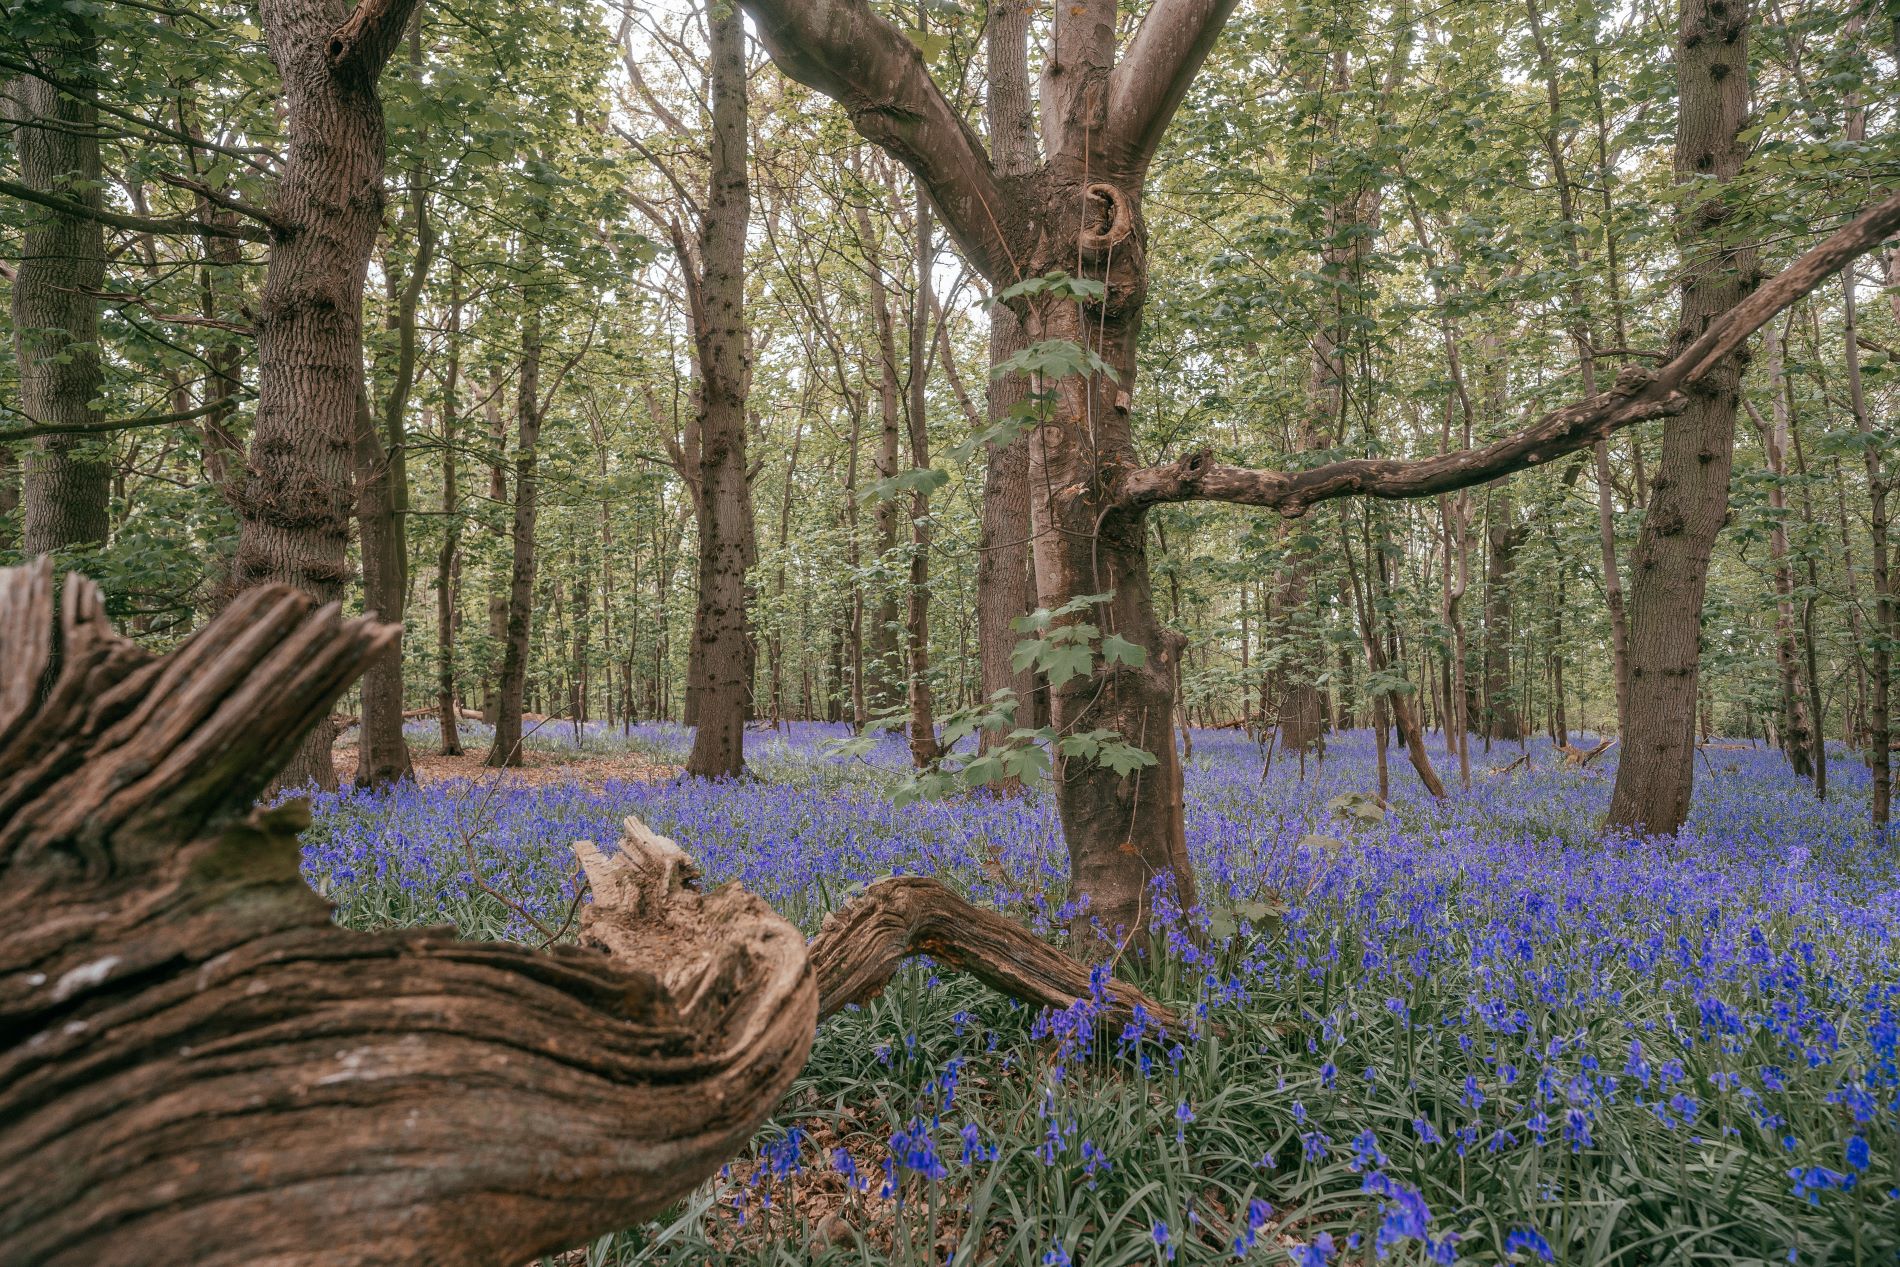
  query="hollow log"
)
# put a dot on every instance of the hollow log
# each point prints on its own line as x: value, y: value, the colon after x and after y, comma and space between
x: 197, y: 1066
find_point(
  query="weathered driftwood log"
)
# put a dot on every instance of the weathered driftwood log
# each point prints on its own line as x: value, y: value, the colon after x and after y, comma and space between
x: 197, y: 1066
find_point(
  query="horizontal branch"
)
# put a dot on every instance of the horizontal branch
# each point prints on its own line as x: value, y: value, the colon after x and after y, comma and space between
x: 102, y: 426
x: 1637, y: 396
x: 136, y: 224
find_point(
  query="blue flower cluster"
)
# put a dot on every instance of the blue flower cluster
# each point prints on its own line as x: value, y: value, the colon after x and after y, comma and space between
x: 1474, y: 1030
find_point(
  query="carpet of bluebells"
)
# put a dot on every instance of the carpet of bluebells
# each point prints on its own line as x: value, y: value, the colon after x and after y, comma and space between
x: 1472, y: 1031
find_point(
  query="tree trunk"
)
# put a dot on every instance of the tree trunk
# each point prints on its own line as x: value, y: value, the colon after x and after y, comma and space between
x: 294, y: 498
x: 923, y: 726
x: 61, y: 272
x: 1797, y: 726
x: 1503, y: 535
x: 1880, y: 713
x: 506, y: 749
x: 885, y: 668
x: 448, y: 561
x: 1003, y: 570
x: 728, y: 543
x: 382, y: 505
x: 1689, y: 495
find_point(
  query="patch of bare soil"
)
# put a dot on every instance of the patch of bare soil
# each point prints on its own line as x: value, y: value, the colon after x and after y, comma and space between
x: 540, y: 769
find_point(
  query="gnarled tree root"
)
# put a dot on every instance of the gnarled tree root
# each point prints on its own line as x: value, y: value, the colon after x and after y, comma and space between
x: 197, y: 1066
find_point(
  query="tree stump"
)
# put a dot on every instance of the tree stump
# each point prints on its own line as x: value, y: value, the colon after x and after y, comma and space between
x: 198, y: 1066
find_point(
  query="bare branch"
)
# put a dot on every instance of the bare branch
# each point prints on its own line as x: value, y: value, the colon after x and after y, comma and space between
x: 845, y: 51
x: 1637, y: 396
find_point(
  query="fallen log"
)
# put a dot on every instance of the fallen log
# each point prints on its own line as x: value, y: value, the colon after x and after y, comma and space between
x: 1576, y: 756
x: 197, y: 1066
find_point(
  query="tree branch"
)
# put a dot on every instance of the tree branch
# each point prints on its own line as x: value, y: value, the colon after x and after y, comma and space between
x: 101, y: 426
x: 363, y: 44
x: 220, y: 198
x: 1154, y: 73
x: 845, y: 51
x: 136, y: 224
x: 1637, y: 396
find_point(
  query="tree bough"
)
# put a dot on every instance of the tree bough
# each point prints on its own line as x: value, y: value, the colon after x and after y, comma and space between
x: 199, y: 1067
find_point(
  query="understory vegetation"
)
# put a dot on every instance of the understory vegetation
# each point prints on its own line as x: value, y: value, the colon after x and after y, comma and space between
x: 1470, y: 1030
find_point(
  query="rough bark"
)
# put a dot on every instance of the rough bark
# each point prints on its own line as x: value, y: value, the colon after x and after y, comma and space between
x: 200, y: 1068
x: 1689, y: 492
x: 294, y: 497
x: 55, y: 313
x: 728, y: 542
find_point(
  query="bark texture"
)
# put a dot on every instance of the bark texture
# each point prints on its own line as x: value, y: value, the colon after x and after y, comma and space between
x: 1689, y: 494
x: 294, y: 496
x: 55, y: 312
x: 198, y: 1067
x: 728, y: 536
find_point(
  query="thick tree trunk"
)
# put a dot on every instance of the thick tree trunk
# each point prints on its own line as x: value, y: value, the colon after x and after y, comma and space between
x: 203, y: 1069
x: 1670, y: 564
x: 55, y: 313
x: 1003, y: 571
x: 506, y: 749
x: 728, y: 542
x: 294, y: 497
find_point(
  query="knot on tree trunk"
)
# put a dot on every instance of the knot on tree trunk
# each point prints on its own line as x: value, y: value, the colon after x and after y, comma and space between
x: 1108, y: 220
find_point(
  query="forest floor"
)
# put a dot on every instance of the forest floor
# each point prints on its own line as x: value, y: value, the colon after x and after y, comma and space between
x: 1477, y: 1029
x: 539, y: 767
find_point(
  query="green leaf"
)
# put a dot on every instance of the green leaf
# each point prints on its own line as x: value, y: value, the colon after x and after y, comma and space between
x: 1062, y: 662
x: 1118, y: 650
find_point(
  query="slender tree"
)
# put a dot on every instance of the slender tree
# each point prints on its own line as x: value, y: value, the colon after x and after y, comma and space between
x: 728, y: 542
